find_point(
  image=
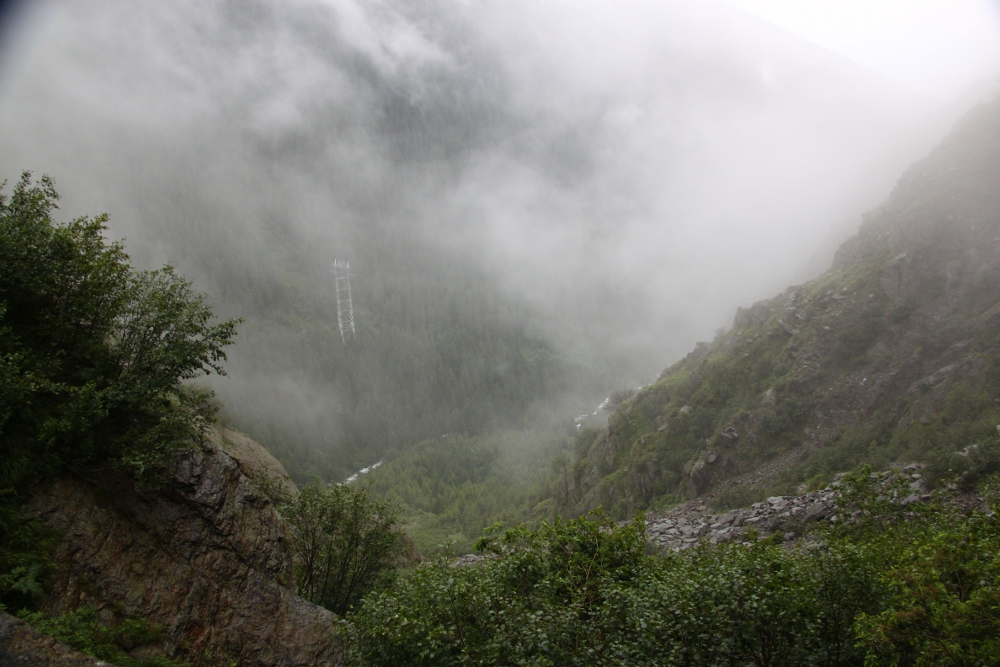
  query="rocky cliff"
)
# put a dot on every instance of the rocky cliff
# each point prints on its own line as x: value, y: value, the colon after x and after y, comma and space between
x: 206, y: 556
x: 892, y: 355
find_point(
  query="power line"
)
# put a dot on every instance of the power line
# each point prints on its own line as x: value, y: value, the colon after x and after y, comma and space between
x: 345, y: 309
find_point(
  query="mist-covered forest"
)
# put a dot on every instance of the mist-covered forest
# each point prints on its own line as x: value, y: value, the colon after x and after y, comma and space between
x: 556, y: 430
x: 539, y: 204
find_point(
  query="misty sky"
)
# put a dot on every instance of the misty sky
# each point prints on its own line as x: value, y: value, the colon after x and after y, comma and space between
x: 632, y: 170
x: 936, y: 47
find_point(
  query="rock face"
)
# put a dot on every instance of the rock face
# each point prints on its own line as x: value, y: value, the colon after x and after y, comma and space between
x: 256, y: 461
x: 206, y: 557
x: 895, y: 346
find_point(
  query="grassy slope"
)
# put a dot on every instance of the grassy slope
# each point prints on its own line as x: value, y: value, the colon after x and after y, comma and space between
x: 452, y: 488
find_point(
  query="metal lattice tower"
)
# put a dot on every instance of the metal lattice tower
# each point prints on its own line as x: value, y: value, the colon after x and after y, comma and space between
x: 345, y: 310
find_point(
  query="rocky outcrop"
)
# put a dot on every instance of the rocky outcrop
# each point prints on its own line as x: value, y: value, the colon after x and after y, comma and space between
x: 206, y: 557
x: 257, y: 462
x: 690, y: 523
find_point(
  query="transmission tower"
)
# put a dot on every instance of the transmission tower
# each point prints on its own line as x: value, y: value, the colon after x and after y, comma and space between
x: 345, y: 310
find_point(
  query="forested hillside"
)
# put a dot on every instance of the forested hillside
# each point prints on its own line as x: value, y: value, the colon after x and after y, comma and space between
x: 520, y: 189
x: 889, y: 356
x: 452, y: 488
x: 440, y: 349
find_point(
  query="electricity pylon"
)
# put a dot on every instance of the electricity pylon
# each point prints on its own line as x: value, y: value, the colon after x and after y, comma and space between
x: 345, y: 310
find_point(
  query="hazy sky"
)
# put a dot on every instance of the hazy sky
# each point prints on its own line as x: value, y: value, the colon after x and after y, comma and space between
x: 635, y: 170
x: 936, y: 47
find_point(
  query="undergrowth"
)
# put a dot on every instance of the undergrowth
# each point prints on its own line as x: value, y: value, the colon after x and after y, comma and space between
x: 129, y: 642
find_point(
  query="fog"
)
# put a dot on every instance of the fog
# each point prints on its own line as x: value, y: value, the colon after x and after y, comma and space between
x: 628, y: 172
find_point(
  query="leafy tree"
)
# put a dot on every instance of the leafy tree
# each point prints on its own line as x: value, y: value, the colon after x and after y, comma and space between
x: 93, y: 359
x: 347, y: 544
x: 617, y: 397
x: 94, y: 353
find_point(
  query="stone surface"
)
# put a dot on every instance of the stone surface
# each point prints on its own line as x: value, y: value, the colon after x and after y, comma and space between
x: 257, y: 462
x: 206, y: 556
x: 681, y: 527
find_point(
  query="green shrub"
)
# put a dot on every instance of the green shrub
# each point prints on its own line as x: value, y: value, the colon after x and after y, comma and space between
x: 93, y: 352
x: 25, y: 554
x: 84, y: 630
x: 584, y: 592
x: 944, y: 606
x: 93, y: 359
x: 738, y: 496
x: 903, y: 583
x: 346, y: 544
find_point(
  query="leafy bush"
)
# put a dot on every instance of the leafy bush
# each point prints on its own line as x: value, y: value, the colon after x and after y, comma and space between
x: 944, y: 606
x: 584, y: 592
x: 533, y: 600
x: 969, y: 468
x: 738, y: 496
x: 346, y: 544
x: 94, y: 353
x: 25, y: 554
x: 901, y: 583
x: 617, y: 397
x: 93, y: 359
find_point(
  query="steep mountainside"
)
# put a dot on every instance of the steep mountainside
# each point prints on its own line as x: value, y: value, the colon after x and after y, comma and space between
x: 890, y: 355
x: 206, y: 557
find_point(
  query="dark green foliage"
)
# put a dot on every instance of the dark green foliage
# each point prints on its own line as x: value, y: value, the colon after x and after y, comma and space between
x: 86, y: 631
x: 93, y: 356
x: 25, y: 554
x: 619, y: 396
x: 943, y: 606
x: 452, y: 488
x: 346, y: 544
x: 756, y: 604
x: 970, y: 467
x: 533, y: 600
x: 738, y: 496
x: 584, y: 439
x: 585, y: 593
x: 94, y: 353
x: 905, y: 584
x: 858, y: 334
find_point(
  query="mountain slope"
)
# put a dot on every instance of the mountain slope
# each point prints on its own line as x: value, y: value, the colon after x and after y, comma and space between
x: 890, y: 355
